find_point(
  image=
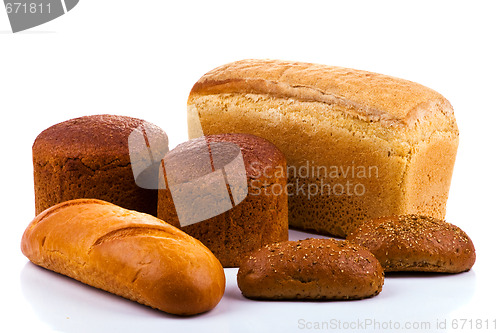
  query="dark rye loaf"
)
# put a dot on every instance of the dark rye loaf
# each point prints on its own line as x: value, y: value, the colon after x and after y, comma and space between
x: 88, y: 157
x: 259, y: 219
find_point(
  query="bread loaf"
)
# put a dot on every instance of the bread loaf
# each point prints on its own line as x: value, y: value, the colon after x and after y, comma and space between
x: 358, y: 145
x: 231, y: 190
x: 89, y: 157
x: 416, y: 243
x: 130, y: 254
x: 320, y: 269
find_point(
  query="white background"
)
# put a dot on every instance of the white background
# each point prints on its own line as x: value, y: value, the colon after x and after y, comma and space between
x: 140, y: 58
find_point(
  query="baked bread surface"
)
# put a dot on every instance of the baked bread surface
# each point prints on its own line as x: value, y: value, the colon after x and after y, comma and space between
x: 366, y: 95
x: 88, y: 157
x: 392, y: 140
x: 416, y: 243
x: 127, y: 253
x: 260, y: 218
x: 314, y: 269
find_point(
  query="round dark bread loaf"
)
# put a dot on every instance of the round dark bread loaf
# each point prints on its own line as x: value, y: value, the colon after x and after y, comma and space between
x: 311, y: 269
x: 88, y: 157
x: 416, y: 243
x: 256, y: 180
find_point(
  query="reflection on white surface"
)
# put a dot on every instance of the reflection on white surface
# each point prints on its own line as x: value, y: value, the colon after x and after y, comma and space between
x: 67, y: 305
x: 70, y: 306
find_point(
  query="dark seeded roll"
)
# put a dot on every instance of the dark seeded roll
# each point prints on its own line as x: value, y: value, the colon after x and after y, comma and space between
x: 88, y: 157
x: 416, y: 243
x: 311, y: 269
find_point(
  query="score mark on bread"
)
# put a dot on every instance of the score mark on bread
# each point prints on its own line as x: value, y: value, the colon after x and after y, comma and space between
x: 204, y: 179
x: 127, y: 253
x: 147, y: 147
x: 218, y: 191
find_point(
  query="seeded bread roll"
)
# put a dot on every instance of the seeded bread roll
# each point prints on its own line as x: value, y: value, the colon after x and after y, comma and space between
x: 88, y: 157
x: 416, y: 243
x: 243, y: 172
x: 315, y: 269
x: 359, y: 145
x: 130, y: 254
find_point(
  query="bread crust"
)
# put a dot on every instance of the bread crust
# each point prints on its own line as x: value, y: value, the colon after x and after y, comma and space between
x: 260, y: 218
x: 369, y: 96
x: 127, y: 253
x: 311, y: 269
x: 416, y: 243
x: 402, y: 137
x: 88, y: 157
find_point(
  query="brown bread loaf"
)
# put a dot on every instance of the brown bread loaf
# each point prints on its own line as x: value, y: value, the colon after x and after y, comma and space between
x: 315, y: 269
x: 130, y: 254
x: 257, y: 213
x: 359, y: 145
x: 416, y: 243
x: 88, y: 157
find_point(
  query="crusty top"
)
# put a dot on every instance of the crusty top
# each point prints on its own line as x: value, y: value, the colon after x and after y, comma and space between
x: 92, y: 139
x: 311, y: 268
x: 192, y: 159
x: 369, y: 96
x: 119, y: 222
x: 132, y: 254
x: 416, y: 243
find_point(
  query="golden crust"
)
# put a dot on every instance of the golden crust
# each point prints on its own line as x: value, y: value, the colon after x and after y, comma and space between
x: 318, y: 269
x: 408, y: 140
x: 369, y: 96
x: 130, y: 254
x: 416, y: 243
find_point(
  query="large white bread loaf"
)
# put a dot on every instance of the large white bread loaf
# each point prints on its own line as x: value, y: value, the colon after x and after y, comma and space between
x: 359, y: 145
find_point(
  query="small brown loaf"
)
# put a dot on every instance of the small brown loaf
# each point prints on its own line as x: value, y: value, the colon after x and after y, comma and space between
x: 416, y: 243
x: 88, y: 157
x: 359, y: 145
x: 311, y: 269
x: 130, y: 254
x: 260, y: 218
